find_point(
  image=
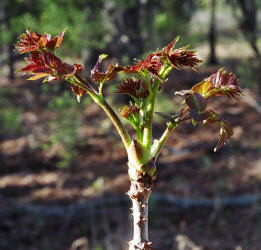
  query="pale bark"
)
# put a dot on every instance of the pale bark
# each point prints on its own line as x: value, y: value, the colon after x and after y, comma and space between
x: 139, y: 193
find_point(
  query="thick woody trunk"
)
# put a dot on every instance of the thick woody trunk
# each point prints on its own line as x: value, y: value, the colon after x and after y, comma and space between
x: 139, y: 193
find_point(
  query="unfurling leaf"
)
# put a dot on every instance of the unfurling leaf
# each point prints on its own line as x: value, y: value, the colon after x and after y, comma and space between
x: 55, y: 42
x: 226, y: 131
x: 152, y: 64
x: 128, y: 111
x: 179, y: 57
x: 225, y: 134
x: 78, y: 92
x: 109, y: 74
x: 32, y: 41
x: 168, y: 117
x: 42, y: 64
x: 196, y: 102
x: 134, y: 87
x: 218, y: 84
x: 224, y: 84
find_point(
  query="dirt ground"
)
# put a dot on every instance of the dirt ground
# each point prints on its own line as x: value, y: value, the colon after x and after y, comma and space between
x: 97, y: 175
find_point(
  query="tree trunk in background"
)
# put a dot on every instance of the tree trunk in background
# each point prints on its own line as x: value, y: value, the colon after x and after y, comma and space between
x: 248, y: 24
x: 128, y: 39
x: 212, y: 34
x: 7, y: 48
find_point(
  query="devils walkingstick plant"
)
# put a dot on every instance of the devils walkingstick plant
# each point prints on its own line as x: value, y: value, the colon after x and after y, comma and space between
x: 142, y: 83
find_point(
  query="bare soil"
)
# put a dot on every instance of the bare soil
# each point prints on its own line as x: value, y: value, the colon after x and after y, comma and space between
x: 187, y: 168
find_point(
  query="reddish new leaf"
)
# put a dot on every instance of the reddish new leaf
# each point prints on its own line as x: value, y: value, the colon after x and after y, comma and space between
x: 32, y: 41
x: 51, y: 60
x: 109, y: 74
x: 51, y: 65
x: 224, y: 83
x: 225, y: 130
x: 179, y: 57
x: 225, y: 134
x: 78, y: 92
x: 133, y: 87
x: 127, y: 111
x: 218, y: 84
x: 152, y: 64
x: 55, y: 42
x: 65, y: 70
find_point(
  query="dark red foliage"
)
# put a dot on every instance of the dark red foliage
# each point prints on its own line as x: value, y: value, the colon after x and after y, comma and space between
x: 226, y: 131
x: 51, y: 60
x: 47, y: 64
x: 133, y: 87
x: 154, y: 61
x: 179, y: 57
x: 220, y: 83
x: 32, y: 41
x: 55, y: 42
x: 77, y: 90
x: 226, y: 82
x: 109, y: 74
x: 152, y: 64
x: 197, y: 104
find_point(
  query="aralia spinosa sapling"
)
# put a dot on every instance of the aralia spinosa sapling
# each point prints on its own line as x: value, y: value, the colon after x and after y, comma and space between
x: 142, y: 83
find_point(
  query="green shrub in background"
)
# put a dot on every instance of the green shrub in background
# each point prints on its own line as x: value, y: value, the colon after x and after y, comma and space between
x: 10, y: 121
x: 63, y: 127
x: 10, y: 115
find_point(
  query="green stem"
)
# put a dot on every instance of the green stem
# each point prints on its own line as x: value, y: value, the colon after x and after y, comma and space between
x: 157, y: 147
x: 115, y: 120
x: 100, y: 88
x: 83, y: 84
x: 147, y: 130
x: 138, y: 131
x: 159, y: 144
x: 166, y: 71
x: 107, y: 109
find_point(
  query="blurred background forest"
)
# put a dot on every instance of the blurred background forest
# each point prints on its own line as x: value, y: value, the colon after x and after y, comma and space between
x: 63, y: 173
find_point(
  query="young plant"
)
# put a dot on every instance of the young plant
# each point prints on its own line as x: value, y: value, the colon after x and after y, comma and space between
x: 142, y: 83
